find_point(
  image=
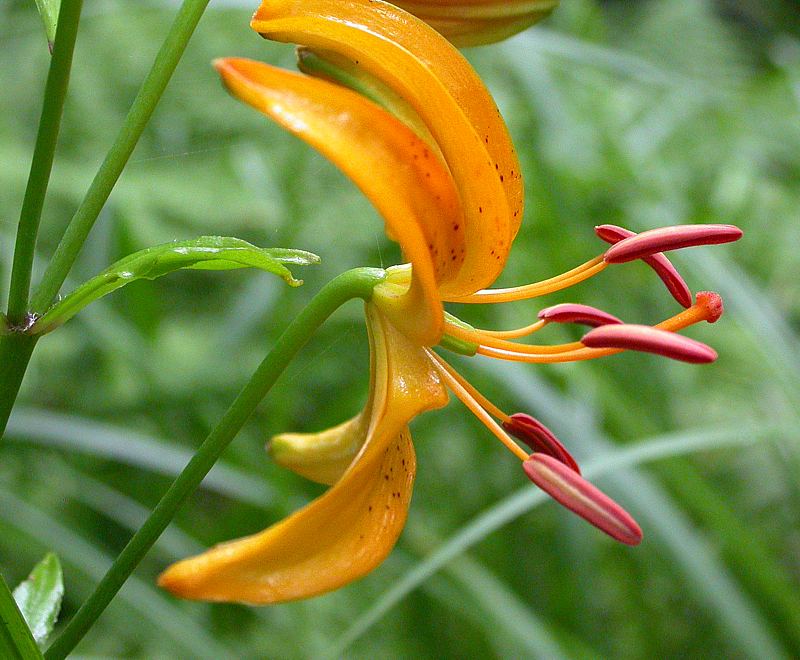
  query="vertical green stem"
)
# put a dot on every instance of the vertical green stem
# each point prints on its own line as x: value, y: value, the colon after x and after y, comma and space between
x: 15, y: 353
x: 55, y: 93
x: 103, y: 183
x: 356, y: 283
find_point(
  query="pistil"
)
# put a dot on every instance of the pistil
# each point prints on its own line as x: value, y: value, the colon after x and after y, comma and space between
x: 708, y: 307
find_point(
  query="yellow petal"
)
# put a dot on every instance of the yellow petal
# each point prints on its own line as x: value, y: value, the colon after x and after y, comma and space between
x: 432, y: 76
x: 395, y: 169
x: 349, y: 530
x: 322, y: 457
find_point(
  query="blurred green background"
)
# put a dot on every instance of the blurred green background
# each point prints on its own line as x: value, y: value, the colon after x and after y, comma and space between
x: 641, y: 114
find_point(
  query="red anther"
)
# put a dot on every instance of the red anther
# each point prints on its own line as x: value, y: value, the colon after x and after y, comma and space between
x: 658, y: 262
x: 670, y: 238
x: 713, y: 303
x: 613, y: 233
x: 575, y: 313
x: 539, y: 438
x: 650, y: 340
x: 578, y: 495
x: 670, y: 277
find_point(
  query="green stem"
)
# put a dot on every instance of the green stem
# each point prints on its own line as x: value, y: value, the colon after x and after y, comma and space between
x: 55, y: 92
x: 15, y: 353
x: 356, y: 283
x: 143, y: 106
x: 16, y: 641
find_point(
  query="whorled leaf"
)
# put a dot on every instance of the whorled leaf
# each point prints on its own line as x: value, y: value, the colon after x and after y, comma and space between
x: 203, y: 253
x: 39, y: 597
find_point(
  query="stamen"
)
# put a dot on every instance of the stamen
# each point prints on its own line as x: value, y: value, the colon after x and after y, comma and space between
x: 658, y: 262
x: 650, y: 340
x: 708, y: 307
x: 484, y: 340
x: 455, y: 385
x: 575, y: 313
x: 578, y: 495
x: 482, y: 401
x: 516, y: 333
x: 563, y: 281
x: 539, y: 438
x: 670, y: 238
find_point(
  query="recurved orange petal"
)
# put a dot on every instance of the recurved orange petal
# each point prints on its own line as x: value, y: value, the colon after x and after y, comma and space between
x: 349, y: 530
x: 405, y: 180
x: 433, y: 78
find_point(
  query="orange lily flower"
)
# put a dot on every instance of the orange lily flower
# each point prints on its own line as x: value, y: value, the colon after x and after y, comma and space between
x: 436, y: 160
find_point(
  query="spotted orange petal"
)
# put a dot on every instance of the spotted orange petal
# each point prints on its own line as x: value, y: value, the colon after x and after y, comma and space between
x: 349, y: 530
x: 433, y: 78
x: 395, y: 169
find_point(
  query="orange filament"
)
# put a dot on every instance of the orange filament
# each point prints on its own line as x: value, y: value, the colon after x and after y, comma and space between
x: 483, y: 340
x: 563, y: 281
x: 516, y: 333
x: 482, y: 401
x: 700, y: 311
x: 467, y: 398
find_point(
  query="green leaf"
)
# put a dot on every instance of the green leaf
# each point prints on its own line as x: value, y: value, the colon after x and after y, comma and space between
x: 203, y: 253
x: 48, y: 10
x: 16, y: 641
x: 39, y: 597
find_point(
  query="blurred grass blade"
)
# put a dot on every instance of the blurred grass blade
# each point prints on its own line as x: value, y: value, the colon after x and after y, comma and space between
x: 166, y: 617
x: 120, y: 508
x: 75, y: 433
x: 39, y: 597
x: 203, y: 253
x: 48, y: 11
x: 502, y: 612
x: 16, y: 640
x: 583, y: 53
x: 707, y: 577
x: 527, y: 499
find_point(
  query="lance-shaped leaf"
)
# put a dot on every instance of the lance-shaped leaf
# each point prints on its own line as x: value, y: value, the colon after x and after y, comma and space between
x: 16, y: 641
x: 203, y: 253
x: 48, y: 11
x: 39, y: 597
